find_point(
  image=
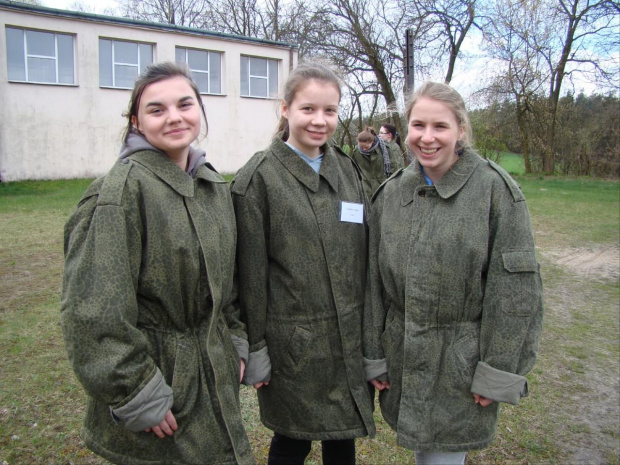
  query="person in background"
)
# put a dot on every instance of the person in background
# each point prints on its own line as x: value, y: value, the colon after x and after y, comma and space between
x: 453, y: 314
x: 390, y: 136
x: 301, y: 259
x: 375, y: 159
x: 148, y: 284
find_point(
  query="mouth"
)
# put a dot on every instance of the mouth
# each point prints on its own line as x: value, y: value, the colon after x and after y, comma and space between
x: 176, y: 131
x: 428, y: 152
x: 316, y: 133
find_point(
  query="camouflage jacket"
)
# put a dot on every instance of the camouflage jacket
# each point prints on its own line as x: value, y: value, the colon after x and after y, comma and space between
x: 148, y: 272
x: 371, y: 167
x: 454, y: 301
x: 301, y: 287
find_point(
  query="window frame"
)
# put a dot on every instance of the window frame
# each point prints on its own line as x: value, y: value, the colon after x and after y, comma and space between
x: 272, y: 91
x: 27, y: 72
x: 141, y: 65
x: 220, y: 54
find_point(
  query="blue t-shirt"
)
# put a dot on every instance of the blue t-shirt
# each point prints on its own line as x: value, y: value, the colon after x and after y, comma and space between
x: 315, y: 163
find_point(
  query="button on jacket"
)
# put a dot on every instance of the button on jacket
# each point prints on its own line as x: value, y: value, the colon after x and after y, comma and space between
x: 302, y: 275
x: 454, y: 302
x: 148, y: 275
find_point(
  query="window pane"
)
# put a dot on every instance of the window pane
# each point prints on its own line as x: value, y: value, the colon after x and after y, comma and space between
x: 146, y: 56
x: 215, y: 72
x: 179, y: 55
x: 41, y: 69
x: 125, y: 52
x: 124, y: 76
x: 202, y: 81
x: 40, y: 43
x: 15, y: 56
x: 273, y: 78
x: 198, y: 60
x: 258, y: 67
x: 258, y: 87
x: 105, y: 62
x: 245, y: 85
x: 65, y: 59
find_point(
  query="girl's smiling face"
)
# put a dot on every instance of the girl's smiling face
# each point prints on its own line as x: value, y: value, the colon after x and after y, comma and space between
x: 433, y: 134
x: 169, y: 117
x: 312, y: 116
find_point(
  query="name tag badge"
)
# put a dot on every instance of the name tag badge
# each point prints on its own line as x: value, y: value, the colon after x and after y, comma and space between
x: 351, y: 212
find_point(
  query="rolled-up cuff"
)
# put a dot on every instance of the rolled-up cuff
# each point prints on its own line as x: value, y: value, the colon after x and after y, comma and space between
x: 148, y: 408
x: 258, y: 368
x: 501, y: 386
x: 243, y: 348
x: 375, y: 369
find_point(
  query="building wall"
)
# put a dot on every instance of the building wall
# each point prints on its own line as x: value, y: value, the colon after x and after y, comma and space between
x: 56, y: 131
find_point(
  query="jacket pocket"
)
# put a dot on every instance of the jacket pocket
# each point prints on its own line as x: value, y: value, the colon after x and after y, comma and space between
x: 462, y: 361
x: 297, y: 350
x: 184, y: 376
x: 522, y: 282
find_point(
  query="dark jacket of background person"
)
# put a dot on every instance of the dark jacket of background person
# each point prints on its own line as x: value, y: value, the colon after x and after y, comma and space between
x: 149, y: 270
x: 454, y: 292
x: 372, y: 169
x: 302, y: 275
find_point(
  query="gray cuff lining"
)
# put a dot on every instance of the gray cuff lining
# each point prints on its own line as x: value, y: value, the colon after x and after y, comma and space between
x: 501, y: 386
x: 258, y: 369
x: 148, y: 408
x: 243, y: 348
x: 375, y: 369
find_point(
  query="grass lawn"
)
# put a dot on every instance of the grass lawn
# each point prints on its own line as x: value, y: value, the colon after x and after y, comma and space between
x: 571, y: 415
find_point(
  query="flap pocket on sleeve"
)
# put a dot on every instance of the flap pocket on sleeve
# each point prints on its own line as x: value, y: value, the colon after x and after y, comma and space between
x: 520, y: 261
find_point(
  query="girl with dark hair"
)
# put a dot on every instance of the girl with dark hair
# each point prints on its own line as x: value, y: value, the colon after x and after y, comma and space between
x: 301, y: 257
x: 148, y: 284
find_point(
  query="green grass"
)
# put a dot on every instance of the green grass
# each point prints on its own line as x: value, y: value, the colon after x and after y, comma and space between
x: 573, y: 402
x: 512, y: 163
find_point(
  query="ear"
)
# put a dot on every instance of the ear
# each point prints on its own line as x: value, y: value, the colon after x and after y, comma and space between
x: 135, y: 123
x: 461, y: 133
x: 284, y: 109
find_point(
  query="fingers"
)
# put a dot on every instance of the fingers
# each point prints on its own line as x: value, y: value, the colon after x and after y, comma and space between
x: 166, y: 427
x: 259, y: 385
x: 242, y: 370
x: 483, y: 401
x: 380, y: 385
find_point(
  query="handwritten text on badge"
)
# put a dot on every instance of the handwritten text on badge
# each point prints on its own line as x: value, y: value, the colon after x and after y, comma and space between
x: 352, y: 212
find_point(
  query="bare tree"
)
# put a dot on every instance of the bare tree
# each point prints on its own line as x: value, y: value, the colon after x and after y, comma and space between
x: 188, y: 13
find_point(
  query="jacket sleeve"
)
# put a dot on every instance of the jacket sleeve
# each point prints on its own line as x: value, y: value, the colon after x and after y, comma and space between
x: 99, y: 312
x: 375, y: 309
x: 253, y: 276
x: 512, y: 307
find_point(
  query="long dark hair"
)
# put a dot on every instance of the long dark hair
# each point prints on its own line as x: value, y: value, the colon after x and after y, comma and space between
x: 298, y: 78
x: 392, y: 130
x: 154, y: 73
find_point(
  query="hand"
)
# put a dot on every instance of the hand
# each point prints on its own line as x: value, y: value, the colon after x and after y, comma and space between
x: 261, y: 384
x: 168, y: 425
x: 380, y: 385
x: 483, y: 401
x: 242, y: 370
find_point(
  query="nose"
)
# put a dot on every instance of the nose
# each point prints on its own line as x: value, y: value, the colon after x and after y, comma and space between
x: 318, y: 119
x: 428, y: 135
x: 174, y: 115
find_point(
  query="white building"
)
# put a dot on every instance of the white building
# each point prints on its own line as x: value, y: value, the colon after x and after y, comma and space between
x: 66, y: 79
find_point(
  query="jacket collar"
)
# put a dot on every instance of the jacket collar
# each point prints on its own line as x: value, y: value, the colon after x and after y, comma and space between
x: 165, y: 169
x: 448, y: 185
x: 300, y: 169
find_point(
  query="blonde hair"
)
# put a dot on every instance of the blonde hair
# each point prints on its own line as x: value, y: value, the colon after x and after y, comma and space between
x: 298, y: 78
x: 445, y: 94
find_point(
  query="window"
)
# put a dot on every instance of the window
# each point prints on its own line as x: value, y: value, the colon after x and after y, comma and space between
x: 206, y: 68
x: 259, y: 77
x: 39, y: 56
x: 120, y: 62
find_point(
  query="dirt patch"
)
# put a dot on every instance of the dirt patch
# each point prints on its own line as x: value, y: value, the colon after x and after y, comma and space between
x: 600, y: 263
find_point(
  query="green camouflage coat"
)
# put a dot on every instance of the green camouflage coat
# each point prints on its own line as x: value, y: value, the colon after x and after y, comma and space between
x: 301, y: 286
x: 371, y: 167
x: 454, y: 302
x: 149, y: 269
